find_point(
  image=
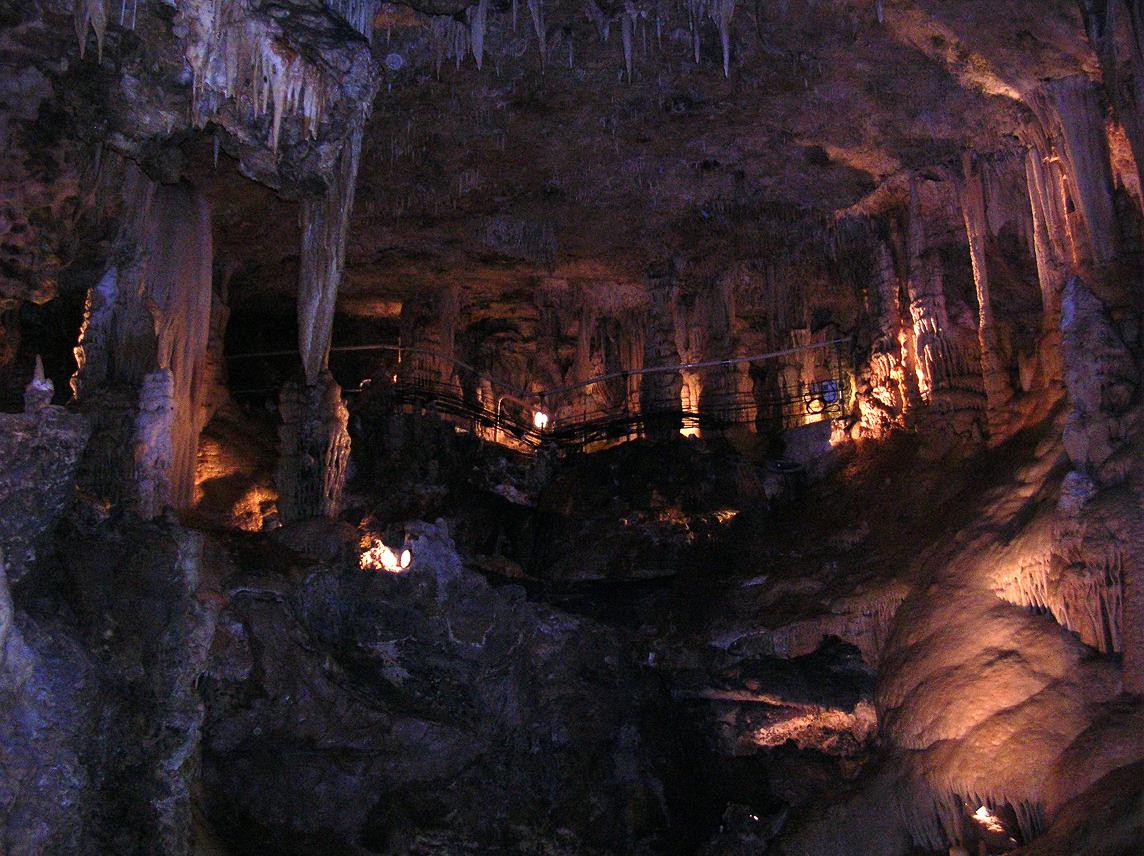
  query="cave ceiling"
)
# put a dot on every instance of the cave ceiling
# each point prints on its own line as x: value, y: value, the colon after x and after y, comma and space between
x: 496, y: 178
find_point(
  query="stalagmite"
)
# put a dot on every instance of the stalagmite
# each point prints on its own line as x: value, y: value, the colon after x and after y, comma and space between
x: 314, y: 448
x: 429, y: 326
x: 154, y: 452
x: 39, y: 391
x: 660, y: 392
x: 882, y: 406
x: 994, y: 367
x: 1101, y: 377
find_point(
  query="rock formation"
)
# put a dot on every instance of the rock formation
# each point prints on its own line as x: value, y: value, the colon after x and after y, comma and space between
x: 771, y: 374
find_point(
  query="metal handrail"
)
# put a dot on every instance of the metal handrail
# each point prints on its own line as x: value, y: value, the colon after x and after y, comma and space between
x: 541, y: 395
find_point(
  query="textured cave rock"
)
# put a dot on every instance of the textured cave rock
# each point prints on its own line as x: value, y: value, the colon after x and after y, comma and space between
x: 1102, y: 378
x: 101, y: 713
x: 515, y: 251
x: 41, y: 451
x: 418, y: 702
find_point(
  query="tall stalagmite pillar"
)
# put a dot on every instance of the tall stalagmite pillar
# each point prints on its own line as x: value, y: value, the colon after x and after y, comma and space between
x: 660, y: 391
x: 313, y: 437
x: 994, y: 370
x: 927, y: 307
x: 143, y: 350
x: 1051, y: 252
x: 883, y: 401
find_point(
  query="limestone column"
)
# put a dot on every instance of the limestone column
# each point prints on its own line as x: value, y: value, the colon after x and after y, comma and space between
x: 1049, y: 248
x: 927, y: 308
x: 1125, y: 92
x: 660, y: 391
x: 1072, y: 112
x: 313, y: 437
x: 883, y: 401
x: 994, y: 371
x: 142, y: 350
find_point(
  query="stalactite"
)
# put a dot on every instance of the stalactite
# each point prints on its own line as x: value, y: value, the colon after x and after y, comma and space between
x: 357, y: 13
x: 450, y: 39
x: 90, y: 13
x: 255, y: 65
x: 722, y: 12
x: 324, y: 220
x: 536, y: 10
x: 994, y: 369
x: 477, y: 19
x: 1070, y: 110
x: 694, y: 13
x: 1049, y: 254
x: 1083, y: 596
x: 626, y: 19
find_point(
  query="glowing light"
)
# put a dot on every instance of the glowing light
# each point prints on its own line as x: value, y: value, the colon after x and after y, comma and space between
x: 380, y: 558
x: 689, y: 403
x: 540, y: 420
x: 989, y: 821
